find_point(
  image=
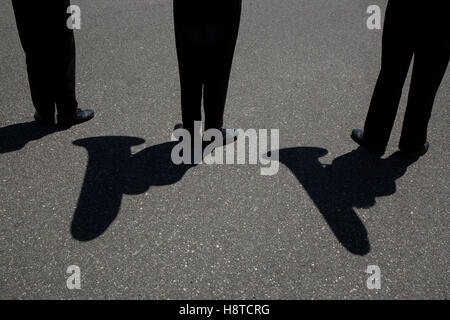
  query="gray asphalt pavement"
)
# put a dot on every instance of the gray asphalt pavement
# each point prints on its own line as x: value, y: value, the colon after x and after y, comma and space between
x: 305, y: 67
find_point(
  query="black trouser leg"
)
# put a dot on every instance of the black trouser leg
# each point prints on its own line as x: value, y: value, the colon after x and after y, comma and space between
x: 397, y: 52
x: 431, y: 59
x: 221, y: 36
x: 50, y: 54
x: 206, y: 34
x: 188, y: 36
x: 65, y: 68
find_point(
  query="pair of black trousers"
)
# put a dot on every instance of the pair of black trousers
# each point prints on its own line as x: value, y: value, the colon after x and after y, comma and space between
x: 49, y: 47
x: 412, y: 28
x: 206, y: 33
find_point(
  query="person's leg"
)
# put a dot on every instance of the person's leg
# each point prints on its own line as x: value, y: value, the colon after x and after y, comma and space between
x: 64, y: 59
x: 430, y: 63
x: 221, y: 36
x: 397, y: 52
x: 32, y: 25
x: 188, y: 36
x: 50, y: 53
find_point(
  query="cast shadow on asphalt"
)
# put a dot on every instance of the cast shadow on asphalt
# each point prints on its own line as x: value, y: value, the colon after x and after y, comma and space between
x: 112, y: 172
x: 16, y: 136
x: 353, y: 180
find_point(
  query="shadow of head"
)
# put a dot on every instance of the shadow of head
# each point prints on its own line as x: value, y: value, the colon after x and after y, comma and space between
x: 113, y: 171
x: 16, y: 136
x: 352, y: 180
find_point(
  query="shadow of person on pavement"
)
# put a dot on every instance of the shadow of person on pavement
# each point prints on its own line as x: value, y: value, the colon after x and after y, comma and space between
x: 113, y: 171
x: 353, y: 180
x: 14, y: 137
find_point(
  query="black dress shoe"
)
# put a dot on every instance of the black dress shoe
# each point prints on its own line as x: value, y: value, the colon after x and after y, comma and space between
x: 178, y: 126
x: 47, y: 120
x: 415, y: 153
x: 79, y: 116
x: 358, y: 136
x: 227, y: 134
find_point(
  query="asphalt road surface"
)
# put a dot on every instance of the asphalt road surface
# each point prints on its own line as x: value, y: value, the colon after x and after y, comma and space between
x: 104, y: 197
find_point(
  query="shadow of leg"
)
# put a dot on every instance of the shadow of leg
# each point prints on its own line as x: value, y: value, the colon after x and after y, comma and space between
x: 353, y: 180
x: 103, y: 186
x: 326, y: 191
x: 112, y: 172
x: 16, y: 136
